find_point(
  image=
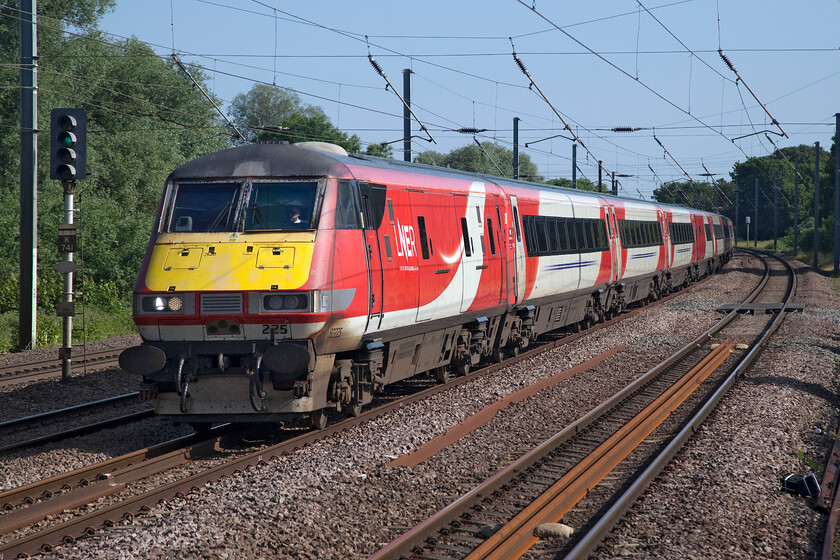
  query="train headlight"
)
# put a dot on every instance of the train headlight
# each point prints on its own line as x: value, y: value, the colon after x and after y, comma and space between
x: 273, y: 302
x: 298, y: 301
x: 176, y: 304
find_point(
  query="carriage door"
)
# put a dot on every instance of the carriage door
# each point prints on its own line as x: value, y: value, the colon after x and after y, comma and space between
x: 373, y: 208
x: 666, y: 238
x: 615, y: 249
x: 518, y: 254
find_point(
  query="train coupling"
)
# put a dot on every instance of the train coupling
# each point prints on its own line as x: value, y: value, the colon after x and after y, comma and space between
x: 301, y: 389
x: 148, y: 392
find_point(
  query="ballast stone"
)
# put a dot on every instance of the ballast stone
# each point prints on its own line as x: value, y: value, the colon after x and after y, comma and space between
x: 553, y: 531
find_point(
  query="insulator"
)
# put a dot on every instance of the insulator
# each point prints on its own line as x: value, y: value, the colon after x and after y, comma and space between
x: 471, y: 130
x: 624, y: 129
x: 727, y: 61
x: 376, y: 66
x: 520, y: 64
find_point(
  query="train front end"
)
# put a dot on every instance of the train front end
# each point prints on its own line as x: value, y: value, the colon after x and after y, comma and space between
x: 235, y: 292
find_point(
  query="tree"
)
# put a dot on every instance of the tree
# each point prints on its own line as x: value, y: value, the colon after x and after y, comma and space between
x: 262, y: 111
x: 763, y: 170
x: 473, y: 158
x: 144, y: 119
x: 272, y: 114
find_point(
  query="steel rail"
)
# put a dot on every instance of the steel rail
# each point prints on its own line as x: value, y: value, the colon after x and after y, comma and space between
x: 45, y: 368
x: 517, y: 536
x: 80, y: 430
x: 602, y: 528
x: 60, y: 411
x: 45, y: 489
x: 85, y: 524
x: 414, y: 537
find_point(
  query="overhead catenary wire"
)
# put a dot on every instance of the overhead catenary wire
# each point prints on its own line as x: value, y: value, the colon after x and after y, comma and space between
x: 625, y: 73
x: 499, y: 169
x: 381, y: 72
x: 204, y: 93
x: 757, y: 100
x: 672, y: 157
x: 556, y: 112
x: 432, y: 128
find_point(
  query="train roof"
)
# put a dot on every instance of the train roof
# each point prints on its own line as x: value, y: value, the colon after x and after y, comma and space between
x: 284, y: 160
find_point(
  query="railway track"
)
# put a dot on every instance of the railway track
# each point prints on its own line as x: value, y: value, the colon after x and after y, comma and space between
x: 48, y: 368
x: 43, y: 494
x: 592, y: 471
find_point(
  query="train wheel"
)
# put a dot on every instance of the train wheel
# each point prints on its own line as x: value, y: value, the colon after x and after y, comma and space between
x: 318, y: 419
x: 442, y: 374
x: 500, y: 355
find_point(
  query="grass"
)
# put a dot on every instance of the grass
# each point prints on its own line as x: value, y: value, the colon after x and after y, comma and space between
x: 824, y: 260
x: 99, y: 323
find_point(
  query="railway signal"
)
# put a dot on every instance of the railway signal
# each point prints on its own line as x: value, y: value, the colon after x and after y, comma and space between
x: 68, y: 150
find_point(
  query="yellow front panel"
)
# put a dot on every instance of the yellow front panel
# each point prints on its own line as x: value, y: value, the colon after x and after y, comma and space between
x: 275, y: 257
x: 189, y: 258
x: 212, y: 261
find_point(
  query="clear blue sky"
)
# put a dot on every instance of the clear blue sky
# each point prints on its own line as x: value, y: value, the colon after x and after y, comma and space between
x: 643, y: 74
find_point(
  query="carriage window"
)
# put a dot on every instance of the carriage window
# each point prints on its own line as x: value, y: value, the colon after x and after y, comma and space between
x: 490, y: 235
x: 563, y: 236
x: 390, y: 211
x: 516, y: 224
x: 424, y: 240
x: 466, y: 233
x: 388, y: 247
x: 204, y: 207
x: 346, y: 212
x: 279, y: 206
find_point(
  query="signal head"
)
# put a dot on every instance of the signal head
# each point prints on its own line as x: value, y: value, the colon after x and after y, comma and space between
x: 68, y: 151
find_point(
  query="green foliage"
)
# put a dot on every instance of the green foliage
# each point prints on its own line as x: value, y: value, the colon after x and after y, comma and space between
x: 380, y: 150
x: 473, y: 159
x: 268, y: 113
x: 145, y: 118
x: 261, y: 112
x: 99, y: 323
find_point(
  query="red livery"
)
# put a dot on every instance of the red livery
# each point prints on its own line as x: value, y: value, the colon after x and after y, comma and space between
x: 282, y: 281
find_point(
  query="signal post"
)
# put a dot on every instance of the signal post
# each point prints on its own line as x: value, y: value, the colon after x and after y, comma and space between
x: 68, y: 155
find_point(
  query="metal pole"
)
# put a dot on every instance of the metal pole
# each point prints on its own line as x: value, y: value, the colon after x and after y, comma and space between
x: 775, y: 209
x: 574, y: 165
x: 67, y: 321
x: 755, y: 225
x: 816, y: 205
x: 28, y: 287
x: 836, y: 194
x: 516, y: 147
x: 795, y: 207
x: 407, y: 114
x: 600, y: 181
x: 737, y: 211
x: 614, y: 185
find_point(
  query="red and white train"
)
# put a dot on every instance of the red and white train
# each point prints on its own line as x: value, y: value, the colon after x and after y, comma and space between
x: 285, y: 280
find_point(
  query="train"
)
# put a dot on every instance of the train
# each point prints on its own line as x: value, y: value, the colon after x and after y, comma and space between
x: 286, y: 282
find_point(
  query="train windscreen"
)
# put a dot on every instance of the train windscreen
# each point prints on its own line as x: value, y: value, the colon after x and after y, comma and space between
x: 230, y: 207
x: 203, y: 207
x: 286, y: 205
